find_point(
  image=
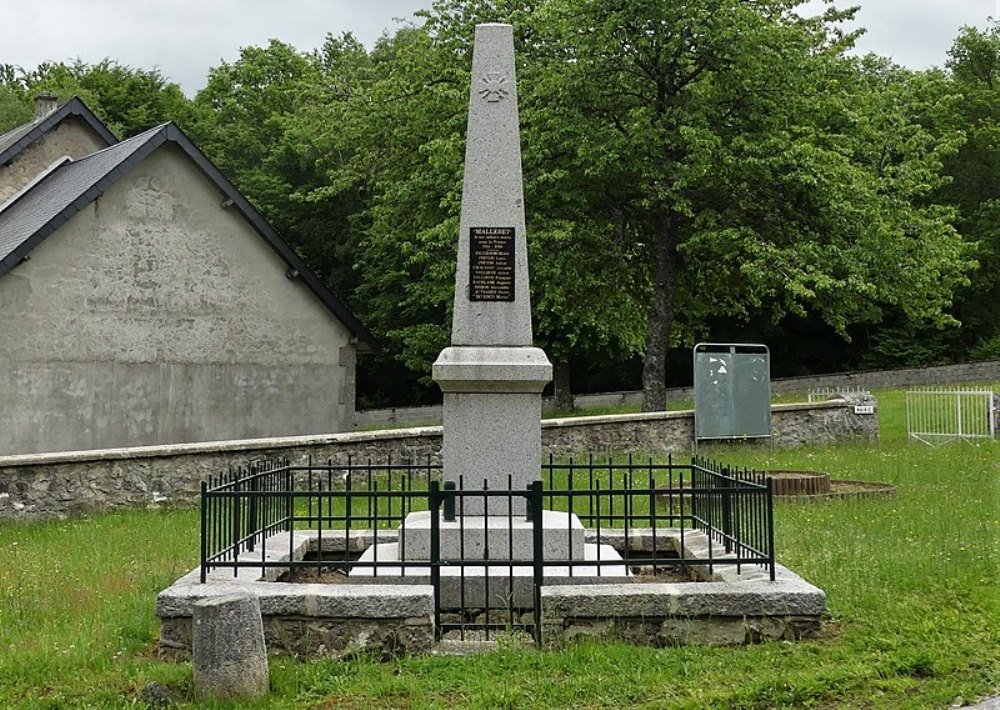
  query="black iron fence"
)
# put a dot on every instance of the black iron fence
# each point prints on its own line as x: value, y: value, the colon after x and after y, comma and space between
x: 580, y: 522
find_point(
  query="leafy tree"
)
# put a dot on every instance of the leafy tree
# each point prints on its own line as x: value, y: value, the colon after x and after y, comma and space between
x: 15, y: 107
x: 244, y: 104
x: 754, y: 165
x: 974, y: 189
x: 273, y: 121
x: 407, y: 128
x: 127, y: 99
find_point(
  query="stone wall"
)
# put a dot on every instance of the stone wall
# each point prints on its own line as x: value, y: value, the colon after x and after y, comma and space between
x: 988, y: 371
x: 39, y: 486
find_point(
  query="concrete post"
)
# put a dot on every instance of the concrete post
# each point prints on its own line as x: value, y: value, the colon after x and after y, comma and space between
x: 230, y: 659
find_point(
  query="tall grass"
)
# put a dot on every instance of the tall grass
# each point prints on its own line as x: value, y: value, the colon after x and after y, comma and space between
x: 911, y: 583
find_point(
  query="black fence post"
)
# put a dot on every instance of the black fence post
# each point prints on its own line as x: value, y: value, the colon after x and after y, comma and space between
x: 535, y: 502
x: 434, y: 504
x: 727, y: 510
x: 204, y: 531
x: 289, y: 501
x: 770, y: 524
x: 252, y: 526
x: 693, y: 504
x: 449, y: 501
x: 235, y: 508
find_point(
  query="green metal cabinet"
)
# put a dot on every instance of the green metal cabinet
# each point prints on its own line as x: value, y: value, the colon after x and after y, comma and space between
x: 732, y: 391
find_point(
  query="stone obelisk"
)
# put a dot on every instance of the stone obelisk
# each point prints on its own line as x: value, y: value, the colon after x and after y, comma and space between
x: 492, y: 376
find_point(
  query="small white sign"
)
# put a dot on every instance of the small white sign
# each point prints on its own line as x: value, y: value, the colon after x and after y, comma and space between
x: 864, y: 408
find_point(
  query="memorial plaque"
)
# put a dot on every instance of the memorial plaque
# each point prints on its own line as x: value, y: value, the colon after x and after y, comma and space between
x: 491, y: 265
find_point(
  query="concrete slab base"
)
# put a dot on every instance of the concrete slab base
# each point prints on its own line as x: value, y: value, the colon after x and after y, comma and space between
x: 496, y: 537
x: 739, y: 605
x: 493, y: 587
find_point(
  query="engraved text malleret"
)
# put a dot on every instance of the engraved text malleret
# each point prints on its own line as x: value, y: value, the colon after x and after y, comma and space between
x: 491, y: 264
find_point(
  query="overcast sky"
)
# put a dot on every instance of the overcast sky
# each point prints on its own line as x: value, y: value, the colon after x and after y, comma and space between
x: 183, y: 38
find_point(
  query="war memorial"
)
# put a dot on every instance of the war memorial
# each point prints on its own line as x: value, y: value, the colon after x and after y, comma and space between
x: 392, y: 557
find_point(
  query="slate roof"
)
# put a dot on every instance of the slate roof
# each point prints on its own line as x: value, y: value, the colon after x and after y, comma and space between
x: 14, y: 141
x: 55, y: 199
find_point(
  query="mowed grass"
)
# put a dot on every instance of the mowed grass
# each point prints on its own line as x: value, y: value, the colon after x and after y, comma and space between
x: 912, y: 585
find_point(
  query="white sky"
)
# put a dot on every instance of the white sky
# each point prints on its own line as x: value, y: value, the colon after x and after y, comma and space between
x: 183, y: 38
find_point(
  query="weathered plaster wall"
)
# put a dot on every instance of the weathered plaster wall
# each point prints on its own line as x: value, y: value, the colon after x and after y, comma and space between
x: 71, y: 137
x: 157, y: 316
x: 51, y: 485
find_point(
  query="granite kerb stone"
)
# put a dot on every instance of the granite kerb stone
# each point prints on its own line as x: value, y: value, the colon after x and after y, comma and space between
x: 356, y: 601
x: 294, y: 599
x: 686, y: 599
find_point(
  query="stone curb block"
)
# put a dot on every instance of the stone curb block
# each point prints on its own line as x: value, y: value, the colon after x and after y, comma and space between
x: 308, y: 600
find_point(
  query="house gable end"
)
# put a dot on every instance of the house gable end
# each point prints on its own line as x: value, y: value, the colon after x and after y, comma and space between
x: 15, y: 141
x: 108, y: 167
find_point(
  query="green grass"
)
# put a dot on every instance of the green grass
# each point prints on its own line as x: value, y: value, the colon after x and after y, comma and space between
x: 911, y: 583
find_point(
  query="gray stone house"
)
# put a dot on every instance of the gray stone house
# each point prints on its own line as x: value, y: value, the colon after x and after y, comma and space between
x: 143, y: 300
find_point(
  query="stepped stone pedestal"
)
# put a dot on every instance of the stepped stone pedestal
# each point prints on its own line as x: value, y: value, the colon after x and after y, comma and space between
x: 477, y: 537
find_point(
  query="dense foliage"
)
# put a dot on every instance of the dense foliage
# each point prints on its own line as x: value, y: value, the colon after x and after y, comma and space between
x: 714, y: 169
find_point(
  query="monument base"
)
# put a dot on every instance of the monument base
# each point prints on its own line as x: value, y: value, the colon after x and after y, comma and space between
x: 492, y: 406
x: 495, y: 537
x: 490, y: 587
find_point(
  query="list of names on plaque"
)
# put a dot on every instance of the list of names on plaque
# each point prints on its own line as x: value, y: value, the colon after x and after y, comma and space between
x: 491, y: 266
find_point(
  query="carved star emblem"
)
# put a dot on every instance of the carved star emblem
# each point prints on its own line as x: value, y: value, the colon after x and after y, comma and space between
x: 493, y: 87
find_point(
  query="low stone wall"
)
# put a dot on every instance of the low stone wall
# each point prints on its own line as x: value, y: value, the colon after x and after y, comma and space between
x: 987, y: 371
x: 39, y: 486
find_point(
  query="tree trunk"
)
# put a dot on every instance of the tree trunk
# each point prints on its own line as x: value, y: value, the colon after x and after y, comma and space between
x: 563, y: 393
x: 663, y: 251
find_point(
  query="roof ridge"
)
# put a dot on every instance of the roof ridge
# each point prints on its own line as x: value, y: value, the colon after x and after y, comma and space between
x: 14, y: 141
x: 134, y: 139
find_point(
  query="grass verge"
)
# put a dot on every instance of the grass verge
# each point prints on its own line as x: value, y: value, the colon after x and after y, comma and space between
x: 911, y: 582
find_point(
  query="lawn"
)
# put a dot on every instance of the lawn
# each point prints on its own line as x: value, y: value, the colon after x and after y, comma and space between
x: 912, y: 585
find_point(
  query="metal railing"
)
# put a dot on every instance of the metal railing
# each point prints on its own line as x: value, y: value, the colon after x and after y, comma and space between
x: 822, y: 394
x: 936, y: 415
x: 347, y: 506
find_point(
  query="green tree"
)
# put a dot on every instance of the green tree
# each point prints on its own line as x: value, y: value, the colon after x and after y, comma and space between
x: 15, y: 107
x: 408, y: 128
x: 273, y: 121
x: 974, y: 189
x: 755, y: 166
x: 127, y: 99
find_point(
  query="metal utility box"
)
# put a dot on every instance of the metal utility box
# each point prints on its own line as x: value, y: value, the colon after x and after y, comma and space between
x: 732, y: 391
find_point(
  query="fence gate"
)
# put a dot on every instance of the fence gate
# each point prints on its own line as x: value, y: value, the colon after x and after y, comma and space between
x: 937, y: 415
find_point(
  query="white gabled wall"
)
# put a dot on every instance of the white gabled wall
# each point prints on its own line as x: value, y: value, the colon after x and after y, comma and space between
x: 156, y: 315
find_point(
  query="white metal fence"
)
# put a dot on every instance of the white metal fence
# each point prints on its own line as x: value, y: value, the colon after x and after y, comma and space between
x: 936, y: 415
x: 821, y: 394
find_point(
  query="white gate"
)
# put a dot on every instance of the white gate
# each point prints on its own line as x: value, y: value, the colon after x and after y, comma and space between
x: 936, y: 415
